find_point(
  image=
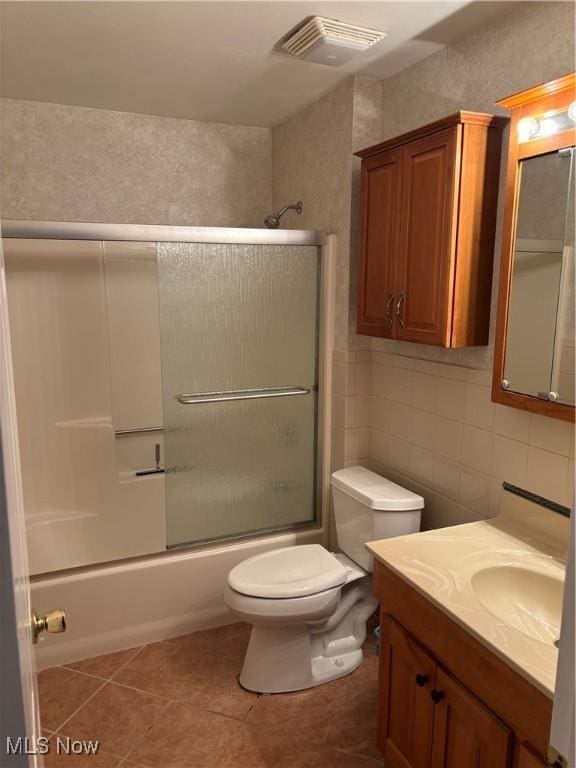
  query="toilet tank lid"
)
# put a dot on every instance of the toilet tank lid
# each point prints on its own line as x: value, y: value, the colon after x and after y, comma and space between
x: 375, y: 491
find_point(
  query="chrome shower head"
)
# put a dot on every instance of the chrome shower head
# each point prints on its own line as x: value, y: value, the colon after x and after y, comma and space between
x: 273, y: 220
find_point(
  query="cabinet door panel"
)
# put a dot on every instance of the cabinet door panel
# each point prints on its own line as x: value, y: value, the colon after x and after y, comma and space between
x: 527, y: 758
x: 381, y: 198
x: 427, y: 241
x: 406, y: 709
x: 466, y: 734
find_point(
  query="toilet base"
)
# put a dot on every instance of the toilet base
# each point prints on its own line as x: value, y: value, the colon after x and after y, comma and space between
x: 286, y: 658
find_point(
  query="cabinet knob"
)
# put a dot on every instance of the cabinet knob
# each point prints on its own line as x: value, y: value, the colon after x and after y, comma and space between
x: 421, y: 680
x: 437, y: 695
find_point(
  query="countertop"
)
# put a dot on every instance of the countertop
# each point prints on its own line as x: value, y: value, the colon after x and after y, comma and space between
x: 441, y: 564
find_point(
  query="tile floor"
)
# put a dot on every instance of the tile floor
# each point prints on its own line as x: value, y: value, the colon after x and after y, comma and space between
x: 177, y: 704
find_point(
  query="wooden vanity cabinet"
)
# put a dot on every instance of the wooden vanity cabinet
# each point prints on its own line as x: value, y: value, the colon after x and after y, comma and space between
x: 428, y: 719
x: 446, y: 701
x: 428, y: 220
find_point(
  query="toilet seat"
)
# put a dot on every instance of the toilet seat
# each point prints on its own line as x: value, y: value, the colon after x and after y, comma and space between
x: 291, y: 572
x: 307, y: 608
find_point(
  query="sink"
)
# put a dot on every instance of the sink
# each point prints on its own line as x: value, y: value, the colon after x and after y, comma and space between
x: 525, y: 599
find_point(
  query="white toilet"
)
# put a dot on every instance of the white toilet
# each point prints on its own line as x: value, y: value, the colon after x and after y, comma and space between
x: 308, y: 608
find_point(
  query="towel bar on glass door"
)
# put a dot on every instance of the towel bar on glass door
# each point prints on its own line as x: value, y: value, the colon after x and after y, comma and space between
x: 138, y: 430
x: 240, y: 394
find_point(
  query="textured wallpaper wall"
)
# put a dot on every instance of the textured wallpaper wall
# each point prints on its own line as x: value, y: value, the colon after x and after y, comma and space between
x: 312, y: 162
x: 420, y: 414
x: 531, y: 44
x: 64, y: 163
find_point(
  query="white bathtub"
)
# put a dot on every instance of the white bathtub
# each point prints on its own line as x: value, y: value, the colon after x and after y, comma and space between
x: 112, y: 607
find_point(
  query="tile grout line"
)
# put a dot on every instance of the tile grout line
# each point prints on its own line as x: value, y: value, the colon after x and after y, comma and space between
x: 104, y: 682
x: 141, y: 740
x: 163, y: 709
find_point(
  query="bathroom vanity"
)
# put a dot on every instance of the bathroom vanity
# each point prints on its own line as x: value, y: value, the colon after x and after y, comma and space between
x: 469, y: 618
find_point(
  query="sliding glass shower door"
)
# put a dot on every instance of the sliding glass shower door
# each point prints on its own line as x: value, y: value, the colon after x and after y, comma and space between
x: 239, y: 352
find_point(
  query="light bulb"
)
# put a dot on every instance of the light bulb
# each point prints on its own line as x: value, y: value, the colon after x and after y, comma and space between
x: 572, y: 111
x: 548, y: 127
x: 528, y: 127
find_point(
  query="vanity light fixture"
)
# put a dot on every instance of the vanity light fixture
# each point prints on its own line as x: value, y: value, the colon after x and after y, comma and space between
x: 528, y: 128
x: 545, y: 125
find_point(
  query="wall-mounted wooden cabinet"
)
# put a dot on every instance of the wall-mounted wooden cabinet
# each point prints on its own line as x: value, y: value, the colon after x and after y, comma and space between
x: 428, y: 220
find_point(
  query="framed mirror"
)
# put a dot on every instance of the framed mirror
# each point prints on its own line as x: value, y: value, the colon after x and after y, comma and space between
x: 535, y: 339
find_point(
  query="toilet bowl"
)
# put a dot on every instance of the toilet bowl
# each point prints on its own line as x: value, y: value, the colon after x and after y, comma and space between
x: 308, y: 607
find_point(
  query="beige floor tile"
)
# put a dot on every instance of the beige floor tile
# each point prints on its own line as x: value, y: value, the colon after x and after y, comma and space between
x: 336, y: 758
x: 116, y: 716
x: 213, y: 685
x: 273, y: 741
x: 355, y: 730
x: 184, y: 737
x: 61, y: 692
x: 158, y: 668
x: 103, y: 666
x: 230, y: 641
x: 257, y: 759
x: 211, y: 722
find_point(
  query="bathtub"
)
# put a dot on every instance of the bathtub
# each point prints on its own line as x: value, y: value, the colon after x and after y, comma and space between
x: 117, y: 606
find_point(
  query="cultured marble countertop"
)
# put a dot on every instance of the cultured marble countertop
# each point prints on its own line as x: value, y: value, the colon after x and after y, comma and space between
x: 441, y: 564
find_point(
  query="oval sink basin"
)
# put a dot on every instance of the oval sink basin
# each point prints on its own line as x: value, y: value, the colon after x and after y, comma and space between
x: 527, y: 600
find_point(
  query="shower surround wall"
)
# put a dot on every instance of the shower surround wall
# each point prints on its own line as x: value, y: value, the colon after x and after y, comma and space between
x: 423, y: 415
x: 65, y: 163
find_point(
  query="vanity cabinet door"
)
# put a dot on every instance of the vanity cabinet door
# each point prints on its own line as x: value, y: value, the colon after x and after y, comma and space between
x: 527, y: 758
x: 426, y: 262
x: 381, y: 198
x: 407, y: 675
x: 466, y: 734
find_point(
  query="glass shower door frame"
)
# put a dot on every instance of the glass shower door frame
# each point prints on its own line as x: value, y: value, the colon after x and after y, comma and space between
x: 219, y: 235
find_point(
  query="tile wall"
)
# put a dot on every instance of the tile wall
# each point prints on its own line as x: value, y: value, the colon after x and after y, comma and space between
x: 433, y: 428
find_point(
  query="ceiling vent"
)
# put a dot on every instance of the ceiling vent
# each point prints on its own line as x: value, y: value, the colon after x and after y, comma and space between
x: 331, y: 42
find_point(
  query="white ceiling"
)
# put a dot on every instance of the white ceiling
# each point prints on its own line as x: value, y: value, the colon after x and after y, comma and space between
x: 211, y: 61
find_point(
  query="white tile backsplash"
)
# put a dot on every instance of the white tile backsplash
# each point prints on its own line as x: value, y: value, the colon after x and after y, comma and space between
x: 477, y: 448
x: 510, y: 461
x: 547, y: 474
x: 401, y: 421
x: 550, y: 434
x: 422, y: 465
x: 424, y: 387
x: 511, y: 422
x: 478, y: 407
x: 449, y: 437
x: 424, y: 429
x: 450, y: 398
x: 433, y: 427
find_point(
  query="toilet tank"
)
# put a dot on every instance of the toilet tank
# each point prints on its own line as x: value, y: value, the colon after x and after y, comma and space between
x: 367, y: 506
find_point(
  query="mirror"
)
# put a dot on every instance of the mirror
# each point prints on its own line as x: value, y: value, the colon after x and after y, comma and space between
x: 540, y: 341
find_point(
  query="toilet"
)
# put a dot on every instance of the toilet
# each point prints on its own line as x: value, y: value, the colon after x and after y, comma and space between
x: 308, y: 607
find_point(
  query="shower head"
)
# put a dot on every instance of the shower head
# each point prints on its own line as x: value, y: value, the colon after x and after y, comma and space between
x: 273, y: 220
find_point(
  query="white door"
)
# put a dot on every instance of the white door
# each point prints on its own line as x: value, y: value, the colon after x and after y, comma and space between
x: 19, y: 720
